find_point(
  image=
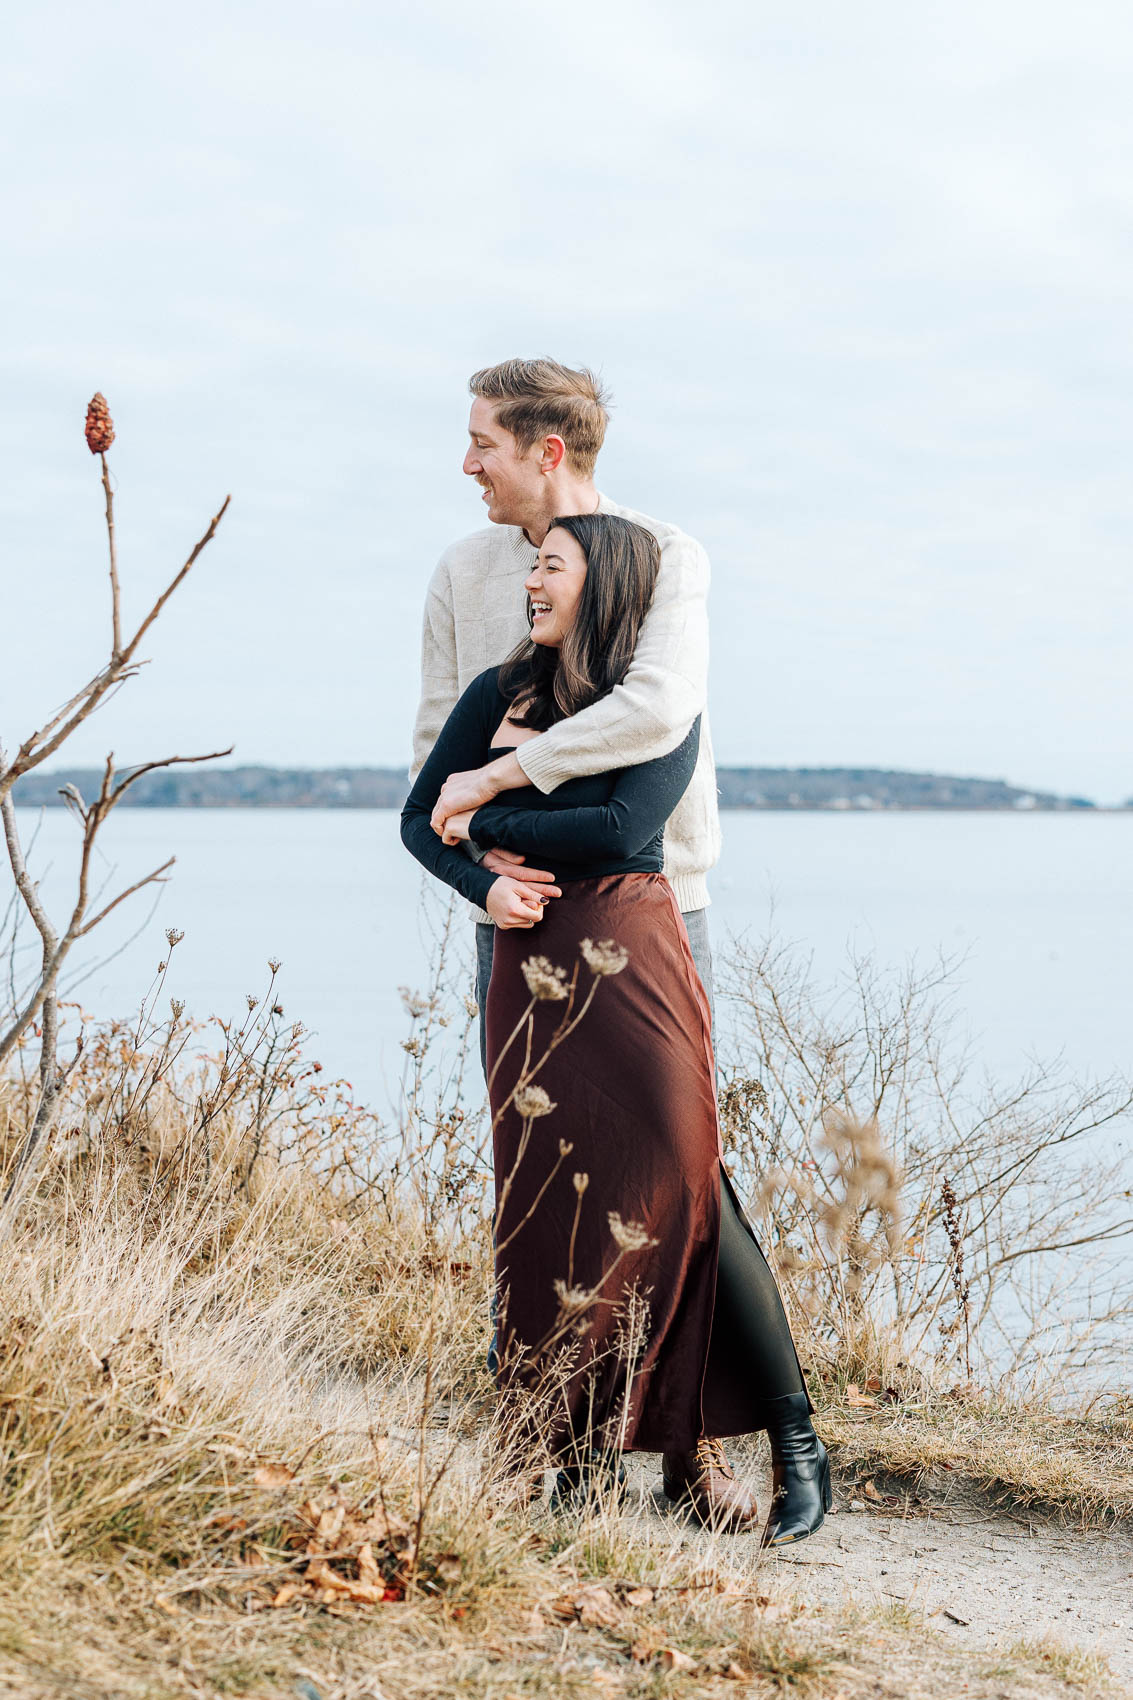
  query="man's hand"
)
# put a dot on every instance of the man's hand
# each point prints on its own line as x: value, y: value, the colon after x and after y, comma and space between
x: 511, y: 903
x: 467, y: 791
x: 499, y: 861
x: 456, y: 828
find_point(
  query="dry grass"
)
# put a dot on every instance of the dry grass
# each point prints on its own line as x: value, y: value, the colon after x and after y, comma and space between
x: 237, y: 1300
x: 1079, y: 1469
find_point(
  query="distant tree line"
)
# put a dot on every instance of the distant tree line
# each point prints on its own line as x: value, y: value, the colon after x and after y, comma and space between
x: 385, y: 787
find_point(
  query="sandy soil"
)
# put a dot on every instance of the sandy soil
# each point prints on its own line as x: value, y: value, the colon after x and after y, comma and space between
x: 984, y: 1578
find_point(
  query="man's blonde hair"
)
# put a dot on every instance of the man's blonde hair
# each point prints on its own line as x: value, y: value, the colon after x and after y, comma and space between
x: 540, y: 398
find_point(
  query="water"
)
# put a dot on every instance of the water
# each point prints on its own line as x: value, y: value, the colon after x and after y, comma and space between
x: 1040, y: 905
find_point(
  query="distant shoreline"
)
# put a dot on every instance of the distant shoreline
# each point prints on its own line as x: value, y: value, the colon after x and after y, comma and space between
x: 834, y: 790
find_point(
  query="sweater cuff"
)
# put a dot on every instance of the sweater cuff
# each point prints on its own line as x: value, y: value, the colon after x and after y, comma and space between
x: 536, y: 757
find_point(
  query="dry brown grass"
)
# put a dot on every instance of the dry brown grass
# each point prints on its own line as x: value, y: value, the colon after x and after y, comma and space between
x: 1078, y: 1469
x: 234, y: 1294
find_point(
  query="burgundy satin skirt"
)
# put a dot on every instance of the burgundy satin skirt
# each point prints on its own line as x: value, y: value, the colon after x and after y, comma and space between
x: 606, y: 1284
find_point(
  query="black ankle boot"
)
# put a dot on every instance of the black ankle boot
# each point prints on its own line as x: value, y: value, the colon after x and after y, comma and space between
x: 597, y: 1472
x: 802, y: 1494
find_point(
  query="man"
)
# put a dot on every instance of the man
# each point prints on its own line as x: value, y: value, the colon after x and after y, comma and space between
x: 535, y: 430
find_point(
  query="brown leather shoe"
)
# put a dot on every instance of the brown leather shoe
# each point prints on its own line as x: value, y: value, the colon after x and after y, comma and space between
x: 704, y: 1481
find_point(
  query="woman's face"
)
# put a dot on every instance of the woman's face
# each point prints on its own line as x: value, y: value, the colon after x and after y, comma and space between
x: 555, y: 587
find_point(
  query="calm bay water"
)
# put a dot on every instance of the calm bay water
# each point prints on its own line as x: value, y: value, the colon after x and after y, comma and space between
x: 1040, y: 905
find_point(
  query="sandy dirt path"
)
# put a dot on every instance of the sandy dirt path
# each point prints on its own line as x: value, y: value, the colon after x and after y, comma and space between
x: 983, y: 1578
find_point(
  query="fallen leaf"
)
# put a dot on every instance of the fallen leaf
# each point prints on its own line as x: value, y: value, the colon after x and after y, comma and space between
x: 595, y: 1607
x: 737, y: 1672
x: 289, y: 1592
x: 870, y: 1492
x: 329, y: 1524
x: 855, y: 1397
x: 671, y: 1658
x: 873, y: 1384
x: 273, y: 1476
x: 637, y: 1596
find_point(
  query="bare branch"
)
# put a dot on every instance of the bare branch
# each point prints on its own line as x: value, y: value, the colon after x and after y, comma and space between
x: 156, y: 878
x: 35, y: 750
x: 203, y: 543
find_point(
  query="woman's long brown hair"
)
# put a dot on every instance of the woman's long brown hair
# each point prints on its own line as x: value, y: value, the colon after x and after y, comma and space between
x: 622, y: 563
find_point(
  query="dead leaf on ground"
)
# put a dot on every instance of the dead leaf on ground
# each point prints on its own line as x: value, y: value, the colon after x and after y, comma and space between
x: 273, y: 1476
x: 736, y: 1672
x: 637, y: 1596
x: 870, y: 1492
x: 858, y: 1399
x: 596, y: 1607
x: 671, y: 1658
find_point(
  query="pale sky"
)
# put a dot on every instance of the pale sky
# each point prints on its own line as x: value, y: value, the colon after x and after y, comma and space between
x: 860, y: 279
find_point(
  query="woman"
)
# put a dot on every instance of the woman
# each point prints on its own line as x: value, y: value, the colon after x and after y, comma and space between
x: 629, y: 1281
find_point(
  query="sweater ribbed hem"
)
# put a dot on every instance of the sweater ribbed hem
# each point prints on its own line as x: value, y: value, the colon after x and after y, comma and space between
x: 690, y: 891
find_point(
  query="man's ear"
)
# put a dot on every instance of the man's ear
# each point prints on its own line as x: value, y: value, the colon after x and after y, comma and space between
x: 554, y: 451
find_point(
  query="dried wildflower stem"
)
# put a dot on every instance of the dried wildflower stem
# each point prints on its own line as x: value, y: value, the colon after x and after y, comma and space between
x: 115, y: 599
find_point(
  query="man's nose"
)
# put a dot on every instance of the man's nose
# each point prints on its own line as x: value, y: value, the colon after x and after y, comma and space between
x: 472, y: 463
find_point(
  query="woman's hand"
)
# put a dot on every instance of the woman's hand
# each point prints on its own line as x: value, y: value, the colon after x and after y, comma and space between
x: 512, y: 903
x: 456, y: 827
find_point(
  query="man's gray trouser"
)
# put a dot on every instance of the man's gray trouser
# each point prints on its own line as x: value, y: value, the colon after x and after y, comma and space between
x: 696, y: 923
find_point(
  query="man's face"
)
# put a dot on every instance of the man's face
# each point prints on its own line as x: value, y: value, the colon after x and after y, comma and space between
x: 509, y: 478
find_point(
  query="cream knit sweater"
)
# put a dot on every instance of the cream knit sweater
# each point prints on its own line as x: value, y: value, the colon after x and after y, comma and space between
x: 475, y: 615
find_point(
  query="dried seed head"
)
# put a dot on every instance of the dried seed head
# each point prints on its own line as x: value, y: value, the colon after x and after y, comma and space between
x: 572, y: 1299
x: 532, y: 1101
x: 604, y: 956
x: 274, y: 964
x: 630, y: 1236
x: 99, y: 428
x: 173, y: 936
x: 178, y: 1008
x: 251, y: 999
x: 545, y: 982
x: 581, y: 1182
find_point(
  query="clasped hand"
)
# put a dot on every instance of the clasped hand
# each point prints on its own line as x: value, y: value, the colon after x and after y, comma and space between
x: 515, y: 900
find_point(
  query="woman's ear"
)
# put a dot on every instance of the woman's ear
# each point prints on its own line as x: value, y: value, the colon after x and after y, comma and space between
x: 554, y: 449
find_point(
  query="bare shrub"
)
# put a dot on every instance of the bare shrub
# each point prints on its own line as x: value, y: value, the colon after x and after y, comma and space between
x: 923, y: 1222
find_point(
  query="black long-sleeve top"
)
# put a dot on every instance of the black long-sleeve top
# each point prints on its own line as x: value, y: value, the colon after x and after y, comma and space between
x: 604, y: 823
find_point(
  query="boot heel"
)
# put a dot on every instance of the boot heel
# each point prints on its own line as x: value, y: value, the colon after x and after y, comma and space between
x: 827, y: 1490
